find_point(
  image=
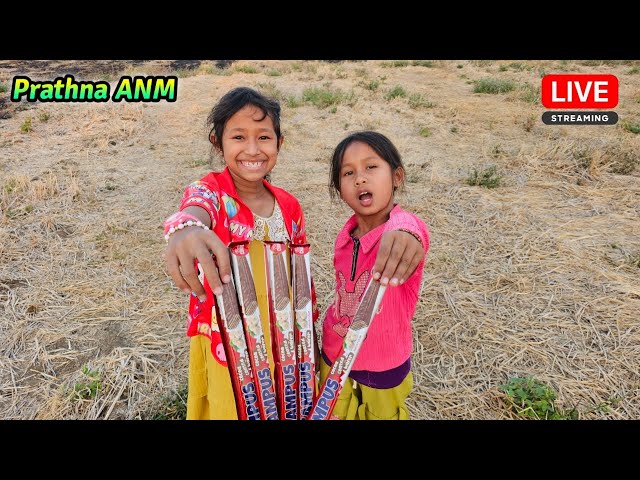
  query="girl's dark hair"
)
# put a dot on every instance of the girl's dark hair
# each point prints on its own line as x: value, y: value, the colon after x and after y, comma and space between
x: 235, y: 100
x: 378, y: 142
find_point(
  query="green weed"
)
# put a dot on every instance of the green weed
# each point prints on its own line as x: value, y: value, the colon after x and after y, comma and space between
x: 26, y: 126
x: 633, y: 127
x: 493, y: 85
x: 416, y: 100
x: 394, y: 64
x: 171, y: 407
x: 245, y: 69
x: 89, y: 386
x: 487, y: 178
x: 325, y: 97
x: 532, y: 399
x: 423, y: 63
x: 395, y: 92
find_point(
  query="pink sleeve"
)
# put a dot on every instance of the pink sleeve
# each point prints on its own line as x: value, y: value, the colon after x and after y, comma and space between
x: 199, y: 194
x: 408, y: 221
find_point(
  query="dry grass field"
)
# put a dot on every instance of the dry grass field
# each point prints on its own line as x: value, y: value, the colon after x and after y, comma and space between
x: 533, y: 275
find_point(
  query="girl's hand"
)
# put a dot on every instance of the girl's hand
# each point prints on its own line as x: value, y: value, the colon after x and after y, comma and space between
x: 398, y: 256
x: 193, y: 243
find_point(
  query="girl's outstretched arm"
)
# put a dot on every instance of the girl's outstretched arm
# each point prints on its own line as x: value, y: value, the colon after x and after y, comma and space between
x: 399, y: 254
x: 194, y: 243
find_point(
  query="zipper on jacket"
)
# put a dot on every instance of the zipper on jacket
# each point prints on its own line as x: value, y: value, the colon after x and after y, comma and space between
x: 354, y: 256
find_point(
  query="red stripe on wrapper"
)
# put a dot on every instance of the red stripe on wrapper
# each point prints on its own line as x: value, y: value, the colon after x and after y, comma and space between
x: 235, y: 346
x: 254, y: 335
x: 282, y: 329
x: 303, y: 328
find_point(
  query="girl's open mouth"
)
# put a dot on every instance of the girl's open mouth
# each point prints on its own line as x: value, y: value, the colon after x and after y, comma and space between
x: 365, y: 198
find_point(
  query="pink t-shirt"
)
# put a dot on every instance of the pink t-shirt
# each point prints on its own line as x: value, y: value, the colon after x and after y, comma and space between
x: 389, y: 339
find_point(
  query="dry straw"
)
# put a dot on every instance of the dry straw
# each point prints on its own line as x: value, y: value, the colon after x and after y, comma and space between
x: 538, y: 277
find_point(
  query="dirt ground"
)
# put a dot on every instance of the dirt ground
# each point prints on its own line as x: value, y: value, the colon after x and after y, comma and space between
x: 537, y: 278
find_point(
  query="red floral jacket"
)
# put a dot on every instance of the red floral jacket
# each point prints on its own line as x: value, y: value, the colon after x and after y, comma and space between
x: 232, y: 221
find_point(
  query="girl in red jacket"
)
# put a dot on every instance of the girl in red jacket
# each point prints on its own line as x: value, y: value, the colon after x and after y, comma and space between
x: 236, y: 204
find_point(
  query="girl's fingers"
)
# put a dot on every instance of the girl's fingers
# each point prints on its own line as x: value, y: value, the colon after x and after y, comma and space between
x: 411, y: 258
x: 395, y: 255
x: 173, y: 268
x: 399, y: 276
x: 203, y: 247
x: 386, y: 242
x: 208, y: 265
x: 411, y: 265
x: 223, y: 260
x: 398, y: 256
x: 190, y: 275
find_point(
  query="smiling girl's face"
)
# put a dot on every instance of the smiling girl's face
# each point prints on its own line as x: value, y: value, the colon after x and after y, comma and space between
x: 249, y: 145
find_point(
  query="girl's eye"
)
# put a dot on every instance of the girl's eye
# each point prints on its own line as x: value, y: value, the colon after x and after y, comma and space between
x: 372, y: 166
x: 238, y: 137
x: 347, y: 173
x: 264, y: 137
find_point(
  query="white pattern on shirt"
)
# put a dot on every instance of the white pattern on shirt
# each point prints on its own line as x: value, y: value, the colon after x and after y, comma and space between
x: 271, y: 228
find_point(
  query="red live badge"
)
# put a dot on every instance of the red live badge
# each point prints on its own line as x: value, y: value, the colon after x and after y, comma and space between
x: 579, y: 91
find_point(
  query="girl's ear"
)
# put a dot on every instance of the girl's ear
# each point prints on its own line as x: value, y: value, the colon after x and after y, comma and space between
x: 280, y: 142
x: 398, y: 177
x: 214, y: 141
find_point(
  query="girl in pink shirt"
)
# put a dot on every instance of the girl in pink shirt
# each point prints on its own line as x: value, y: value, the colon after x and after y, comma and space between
x: 366, y: 170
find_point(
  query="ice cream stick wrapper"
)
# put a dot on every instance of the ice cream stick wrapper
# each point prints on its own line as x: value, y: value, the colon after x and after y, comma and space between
x: 357, y: 332
x: 303, y: 328
x: 254, y: 335
x: 235, y: 347
x: 282, y: 330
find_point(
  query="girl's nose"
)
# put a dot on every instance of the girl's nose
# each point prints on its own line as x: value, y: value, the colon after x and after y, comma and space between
x: 360, y: 179
x: 252, y: 147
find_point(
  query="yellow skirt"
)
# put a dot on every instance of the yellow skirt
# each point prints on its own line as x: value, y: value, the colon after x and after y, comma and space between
x: 359, y: 402
x: 210, y: 392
